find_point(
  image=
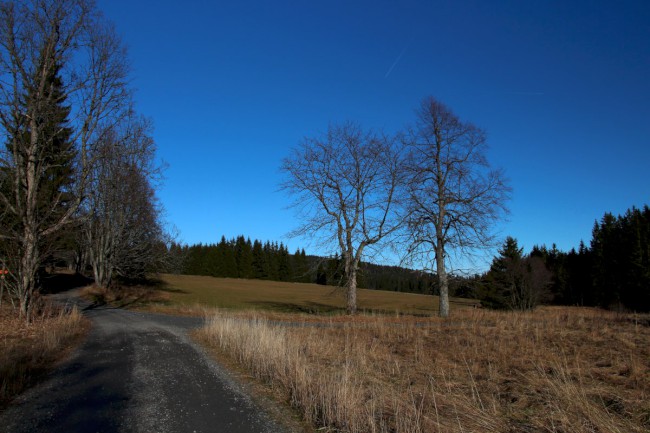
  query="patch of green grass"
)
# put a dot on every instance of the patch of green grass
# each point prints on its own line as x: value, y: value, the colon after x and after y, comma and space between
x: 188, y: 290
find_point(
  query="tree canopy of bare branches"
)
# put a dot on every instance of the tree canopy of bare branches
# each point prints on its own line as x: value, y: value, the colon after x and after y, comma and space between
x: 122, y: 230
x: 52, y: 52
x: 454, y: 195
x: 345, y: 186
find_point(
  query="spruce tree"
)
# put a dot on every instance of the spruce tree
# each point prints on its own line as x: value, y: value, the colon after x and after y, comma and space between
x: 505, y: 278
x: 259, y: 264
x: 58, y: 177
x: 271, y: 257
x: 284, y: 263
x: 56, y: 151
x: 244, y: 257
x: 300, y: 266
x: 607, y: 255
x: 226, y: 258
x: 212, y: 261
x: 620, y: 259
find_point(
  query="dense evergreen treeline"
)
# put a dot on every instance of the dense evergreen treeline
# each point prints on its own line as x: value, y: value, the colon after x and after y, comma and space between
x: 613, y: 272
x: 242, y: 258
x: 395, y: 278
x: 374, y: 277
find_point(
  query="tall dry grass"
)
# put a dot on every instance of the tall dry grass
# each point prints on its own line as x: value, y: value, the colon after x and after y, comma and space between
x: 27, y: 350
x: 554, y: 370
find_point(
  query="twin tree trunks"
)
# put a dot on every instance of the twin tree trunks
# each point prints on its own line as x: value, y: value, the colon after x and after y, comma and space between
x: 423, y: 192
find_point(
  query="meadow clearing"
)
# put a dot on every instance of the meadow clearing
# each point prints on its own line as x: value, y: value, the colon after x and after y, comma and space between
x: 557, y: 369
x: 396, y: 367
x: 232, y: 293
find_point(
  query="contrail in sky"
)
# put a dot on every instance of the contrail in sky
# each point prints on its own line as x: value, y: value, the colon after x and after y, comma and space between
x: 396, y: 61
x: 527, y: 93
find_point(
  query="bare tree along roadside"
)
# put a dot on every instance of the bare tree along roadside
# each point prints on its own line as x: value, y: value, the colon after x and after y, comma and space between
x: 64, y: 97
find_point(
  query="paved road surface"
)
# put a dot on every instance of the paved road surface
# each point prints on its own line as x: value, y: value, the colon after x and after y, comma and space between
x: 137, y: 372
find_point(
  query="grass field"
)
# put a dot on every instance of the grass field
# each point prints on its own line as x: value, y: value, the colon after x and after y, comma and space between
x: 229, y: 293
x: 557, y: 369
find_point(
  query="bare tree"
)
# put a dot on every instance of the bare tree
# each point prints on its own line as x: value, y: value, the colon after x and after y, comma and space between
x: 122, y: 227
x: 454, y: 196
x: 43, y: 41
x: 534, y: 280
x: 346, y: 187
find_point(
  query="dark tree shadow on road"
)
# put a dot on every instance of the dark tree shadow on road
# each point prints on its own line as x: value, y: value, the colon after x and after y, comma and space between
x: 61, y: 282
x: 87, y: 395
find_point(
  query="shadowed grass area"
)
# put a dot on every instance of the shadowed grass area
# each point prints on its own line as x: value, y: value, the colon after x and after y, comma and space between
x: 125, y: 296
x: 29, y: 350
x: 187, y: 290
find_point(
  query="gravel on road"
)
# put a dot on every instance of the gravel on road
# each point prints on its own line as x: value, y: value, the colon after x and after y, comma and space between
x: 137, y: 372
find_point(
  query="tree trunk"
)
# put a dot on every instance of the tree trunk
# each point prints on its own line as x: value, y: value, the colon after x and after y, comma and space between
x: 102, y: 271
x: 29, y: 266
x: 29, y: 260
x: 351, y: 269
x: 352, y: 292
x: 443, y: 283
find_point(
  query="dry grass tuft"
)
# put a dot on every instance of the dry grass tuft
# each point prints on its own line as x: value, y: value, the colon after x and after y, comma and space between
x: 28, y: 350
x: 554, y: 370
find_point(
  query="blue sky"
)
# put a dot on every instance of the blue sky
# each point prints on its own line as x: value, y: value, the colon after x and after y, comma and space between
x: 561, y: 87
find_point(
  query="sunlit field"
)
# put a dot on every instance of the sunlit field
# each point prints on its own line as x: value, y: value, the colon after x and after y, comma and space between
x: 555, y: 370
x: 398, y: 368
x: 230, y: 293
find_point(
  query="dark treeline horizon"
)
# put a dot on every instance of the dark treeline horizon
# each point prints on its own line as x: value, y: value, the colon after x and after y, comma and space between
x: 241, y: 257
x: 612, y: 271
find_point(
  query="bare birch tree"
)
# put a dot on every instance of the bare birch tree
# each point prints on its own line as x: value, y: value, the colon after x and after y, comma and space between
x: 454, y: 195
x: 345, y: 186
x: 37, y: 37
x: 122, y: 229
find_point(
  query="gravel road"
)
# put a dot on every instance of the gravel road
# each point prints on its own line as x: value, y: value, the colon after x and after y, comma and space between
x: 137, y: 372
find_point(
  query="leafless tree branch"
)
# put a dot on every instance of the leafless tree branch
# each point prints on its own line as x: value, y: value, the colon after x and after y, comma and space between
x: 454, y: 197
x: 345, y: 188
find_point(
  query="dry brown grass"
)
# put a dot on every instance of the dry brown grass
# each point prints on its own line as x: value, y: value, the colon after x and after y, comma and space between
x: 554, y: 370
x: 27, y: 350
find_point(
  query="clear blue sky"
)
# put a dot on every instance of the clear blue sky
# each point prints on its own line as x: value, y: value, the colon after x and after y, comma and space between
x: 561, y: 87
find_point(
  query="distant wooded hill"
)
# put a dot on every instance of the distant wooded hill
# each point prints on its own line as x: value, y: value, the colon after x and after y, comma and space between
x: 265, y: 260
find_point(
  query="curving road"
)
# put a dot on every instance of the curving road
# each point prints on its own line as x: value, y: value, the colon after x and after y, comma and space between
x: 137, y: 372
